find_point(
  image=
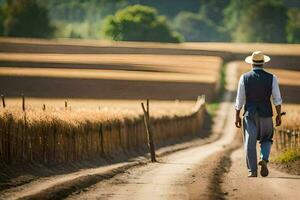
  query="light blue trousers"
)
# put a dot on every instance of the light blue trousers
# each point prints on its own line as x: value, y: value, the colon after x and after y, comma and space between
x: 257, y: 129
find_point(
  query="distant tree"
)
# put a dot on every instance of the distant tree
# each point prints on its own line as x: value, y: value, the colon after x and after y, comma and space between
x: 213, y: 10
x: 138, y: 23
x: 293, y: 26
x: 194, y: 28
x: 233, y: 13
x: 26, y: 18
x: 2, y: 17
x: 264, y: 21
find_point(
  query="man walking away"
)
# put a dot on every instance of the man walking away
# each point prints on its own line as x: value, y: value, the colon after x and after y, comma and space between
x: 254, y: 93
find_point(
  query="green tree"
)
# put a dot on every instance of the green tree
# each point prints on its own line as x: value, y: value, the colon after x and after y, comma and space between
x: 213, y: 10
x: 138, y: 23
x: 26, y: 18
x: 2, y: 16
x: 258, y: 21
x: 233, y: 13
x: 293, y: 26
x: 194, y: 27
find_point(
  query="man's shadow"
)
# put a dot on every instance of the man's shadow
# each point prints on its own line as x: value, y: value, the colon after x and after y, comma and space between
x: 283, y: 177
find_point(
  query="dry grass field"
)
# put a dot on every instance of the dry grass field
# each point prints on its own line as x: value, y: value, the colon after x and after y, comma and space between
x: 108, y: 110
x: 111, y: 76
x: 286, y: 55
x: 84, y: 131
x: 292, y: 120
x: 206, y: 77
x: 133, y: 62
x: 91, y: 126
x: 16, y: 44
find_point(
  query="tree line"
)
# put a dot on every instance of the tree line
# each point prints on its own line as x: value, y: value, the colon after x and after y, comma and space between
x: 275, y: 21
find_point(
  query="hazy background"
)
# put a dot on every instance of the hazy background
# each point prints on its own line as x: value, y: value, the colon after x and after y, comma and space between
x: 275, y: 21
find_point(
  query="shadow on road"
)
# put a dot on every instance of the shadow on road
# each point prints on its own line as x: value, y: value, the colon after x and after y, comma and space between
x: 284, y: 177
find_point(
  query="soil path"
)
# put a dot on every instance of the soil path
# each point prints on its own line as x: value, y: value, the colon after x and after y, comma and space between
x: 277, y: 185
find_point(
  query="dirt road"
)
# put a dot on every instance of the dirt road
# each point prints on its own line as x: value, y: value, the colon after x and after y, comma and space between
x: 277, y: 185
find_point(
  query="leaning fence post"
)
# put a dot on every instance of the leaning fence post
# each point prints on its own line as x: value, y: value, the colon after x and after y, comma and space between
x: 3, y: 100
x: 44, y: 107
x: 149, y: 131
x: 66, y: 105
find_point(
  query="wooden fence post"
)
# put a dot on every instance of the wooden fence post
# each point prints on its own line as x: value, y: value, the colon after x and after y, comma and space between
x: 3, y: 100
x: 277, y: 139
x: 66, y: 105
x: 23, y: 102
x: 296, y: 139
x: 149, y: 131
x: 44, y: 107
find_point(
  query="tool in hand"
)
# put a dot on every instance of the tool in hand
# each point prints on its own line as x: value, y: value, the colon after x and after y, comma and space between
x: 283, y: 113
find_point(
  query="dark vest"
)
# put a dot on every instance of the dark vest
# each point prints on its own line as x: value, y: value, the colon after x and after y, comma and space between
x: 258, y: 88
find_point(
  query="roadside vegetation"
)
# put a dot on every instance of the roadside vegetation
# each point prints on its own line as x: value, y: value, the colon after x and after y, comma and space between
x: 213, y: 106
x: 288, y: 156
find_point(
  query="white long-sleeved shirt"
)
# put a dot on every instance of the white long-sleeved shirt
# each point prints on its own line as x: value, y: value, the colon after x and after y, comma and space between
x: 241, y: 94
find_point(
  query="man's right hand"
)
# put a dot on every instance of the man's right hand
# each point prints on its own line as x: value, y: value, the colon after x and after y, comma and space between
x: 278, y: 120
x: 238, y: 122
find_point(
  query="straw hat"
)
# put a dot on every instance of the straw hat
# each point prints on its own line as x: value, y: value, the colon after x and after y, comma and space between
x: 258, y: 58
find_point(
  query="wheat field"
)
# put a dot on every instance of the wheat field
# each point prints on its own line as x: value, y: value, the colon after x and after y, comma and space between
x: 32, y: 44
x: 104, y: 92
x: 131, y: 77
x: 58, y: 135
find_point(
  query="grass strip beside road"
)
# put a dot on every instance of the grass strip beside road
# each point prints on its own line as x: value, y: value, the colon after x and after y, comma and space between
x: 288, y: 155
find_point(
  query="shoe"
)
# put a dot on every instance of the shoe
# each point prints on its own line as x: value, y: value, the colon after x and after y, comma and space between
x: 264, y: 169
x: 252, y: 174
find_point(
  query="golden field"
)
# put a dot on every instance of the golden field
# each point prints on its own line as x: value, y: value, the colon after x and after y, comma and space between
x: 111, y: 76
x: 57, y: 136
x: 208, y: 77
x: 56, y: 44
x: 132, y: 62
x: 95, y: 109
x: 104, y: 92
x: 292, y: 120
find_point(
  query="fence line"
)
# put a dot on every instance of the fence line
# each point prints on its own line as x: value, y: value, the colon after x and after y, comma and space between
x: 56, y: 142
x: 285, y: 139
